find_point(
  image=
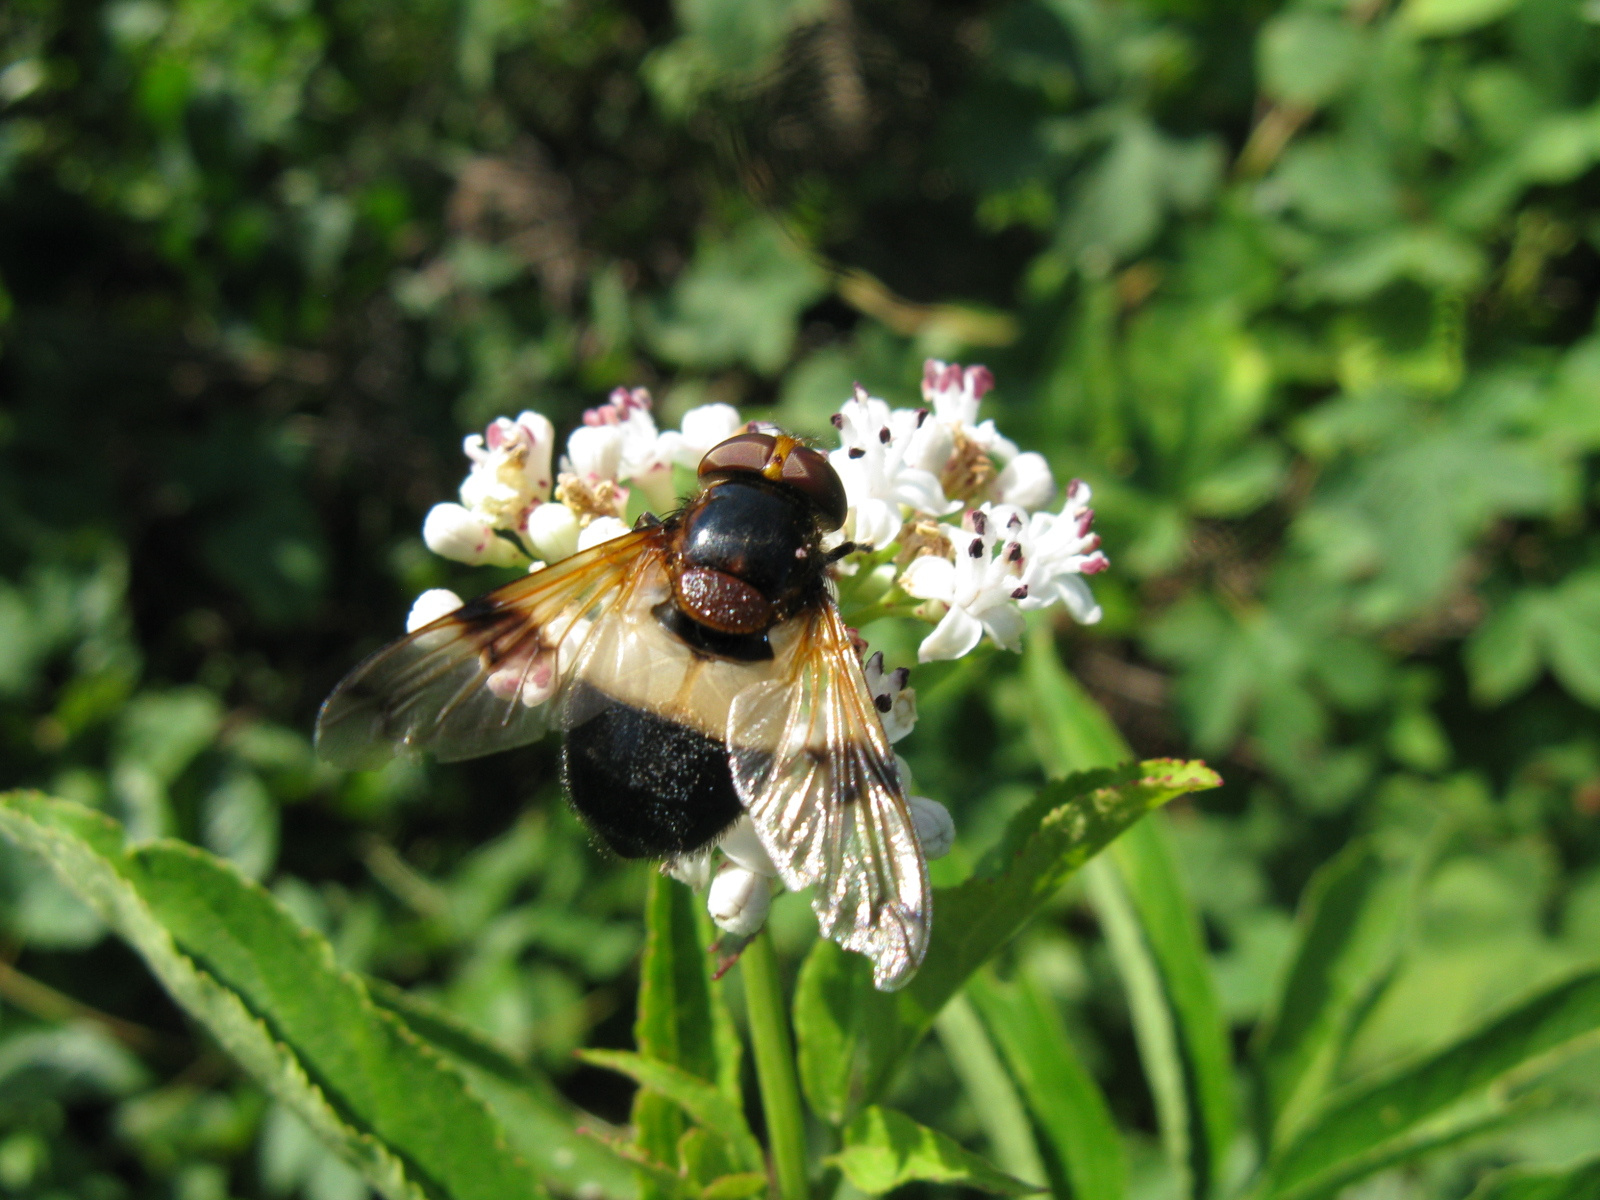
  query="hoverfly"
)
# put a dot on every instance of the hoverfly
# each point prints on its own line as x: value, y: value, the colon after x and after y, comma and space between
x: 699, y: 669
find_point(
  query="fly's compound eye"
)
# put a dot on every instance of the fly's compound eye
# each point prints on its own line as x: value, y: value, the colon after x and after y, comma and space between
x: 810, y: 473
x: 741, y: 452
x: 780, y: 459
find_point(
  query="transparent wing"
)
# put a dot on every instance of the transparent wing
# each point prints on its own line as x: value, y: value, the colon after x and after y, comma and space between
x: 490, y: 675
x: 815, y: 771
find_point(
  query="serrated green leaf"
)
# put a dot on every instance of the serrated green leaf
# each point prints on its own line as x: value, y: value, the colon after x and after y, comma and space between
x: 852, y: 1037
x: 539, y: 1123
x: 1360, y: 1119
x: 270, y: 993
x: 1067, y: 1104
x: 682, y: 1020
x: 884, y: 1149
x: 701, y: 1100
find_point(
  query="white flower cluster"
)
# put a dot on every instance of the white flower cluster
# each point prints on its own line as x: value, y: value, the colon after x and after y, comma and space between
x: 514, y: 510
x: 906, y: 470
x: 948, y: 514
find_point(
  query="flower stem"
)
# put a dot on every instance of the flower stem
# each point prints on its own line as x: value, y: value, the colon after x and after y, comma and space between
x: 780, y: 1087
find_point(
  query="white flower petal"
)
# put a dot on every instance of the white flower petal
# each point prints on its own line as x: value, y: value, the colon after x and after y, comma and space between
x: 929, y: 578
x: 743, y: 846
x: 1075, y: 594
x: 594, y: 452
x: 703, y: 428
x: 956, y: 634
x: 1005, y: 625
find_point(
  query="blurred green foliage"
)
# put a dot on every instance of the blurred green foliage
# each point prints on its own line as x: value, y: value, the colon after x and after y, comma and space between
x: 1305, y: 290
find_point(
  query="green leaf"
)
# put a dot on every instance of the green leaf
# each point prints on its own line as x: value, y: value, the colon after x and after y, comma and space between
x: 1147, y: 868
x: 852, y: 1037
x: 1559, y: 625
x: 1443, y: 17
x: 739, y: 300
x: 1308, y: 56
x: 270, y: 993
x: 884, y: 1149
x: 1503, y: 653
x: 1581, y: 1182
x: 1361, y: 1118
x: 1178, y: 1019
x: 1461, y: 1124
x: 1349, y: 933
x: 1067, y: 1104
x: 682, y: 1020
x: 993, y: 1096
x: 704, y: 1102
x: 1572, y: 628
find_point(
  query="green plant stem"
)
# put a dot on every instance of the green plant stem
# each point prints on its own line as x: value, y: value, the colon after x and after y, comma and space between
x: 780, y: 1086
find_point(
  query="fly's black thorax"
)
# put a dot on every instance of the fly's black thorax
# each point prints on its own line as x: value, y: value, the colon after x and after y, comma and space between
x: 759, y: 534
x: 746, y: 555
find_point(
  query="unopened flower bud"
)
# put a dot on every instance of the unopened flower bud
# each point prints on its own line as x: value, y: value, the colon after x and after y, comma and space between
x: 552, y: 531
x: 601, y: 529
x: 452, y: 532
x: 693, y: 870
x: 741, y: 845
x: 739, y: 900
x: 430, y: 606
x: 1025, y: 482
x: 935, y: 830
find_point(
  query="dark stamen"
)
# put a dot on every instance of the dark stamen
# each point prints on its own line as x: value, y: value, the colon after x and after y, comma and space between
x: 979, y: 521
x: 922, y: 415
x: 1021, y: 593
x: 883, y: 703
x: 856, y: 451
x: 838, y: 420
x: 976, y: 549
x: 883, y: 435
x: 1014, y: 552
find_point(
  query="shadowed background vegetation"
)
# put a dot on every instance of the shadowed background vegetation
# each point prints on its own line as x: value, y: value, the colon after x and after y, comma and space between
x: 1305, y: 290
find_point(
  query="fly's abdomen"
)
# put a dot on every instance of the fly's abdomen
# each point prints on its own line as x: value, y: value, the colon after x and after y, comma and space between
x: 647, y: 785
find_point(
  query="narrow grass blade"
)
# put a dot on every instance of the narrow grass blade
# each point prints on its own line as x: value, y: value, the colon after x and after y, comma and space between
x: 1362, y: 1117
x: 994, y: 1097
x: 1581, y: 1182
x: 1073, y: 734
x: 1067, y: 1104
x: 1349, y: 928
